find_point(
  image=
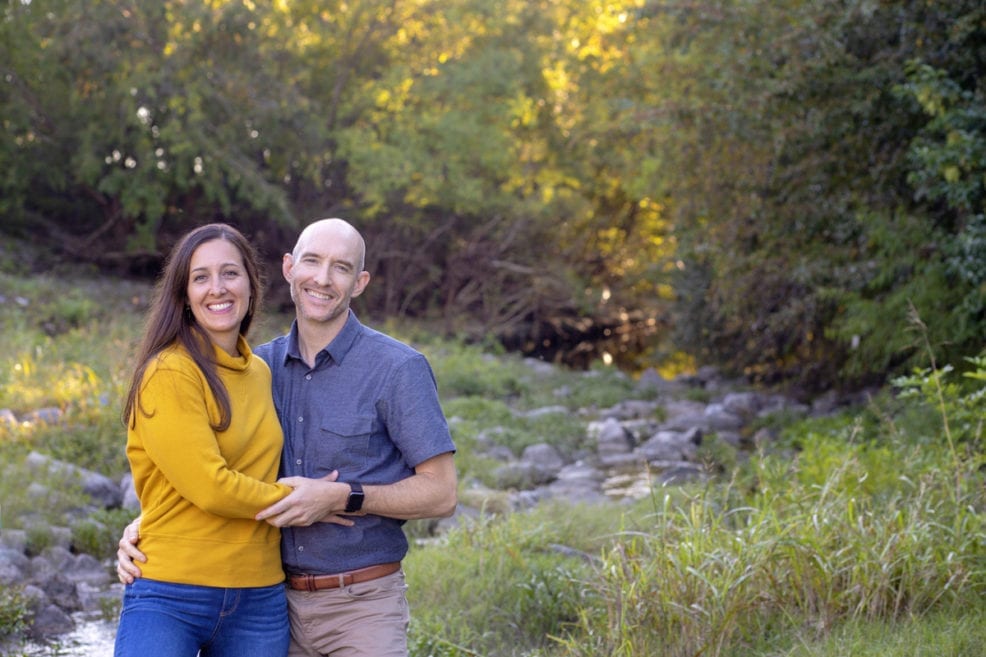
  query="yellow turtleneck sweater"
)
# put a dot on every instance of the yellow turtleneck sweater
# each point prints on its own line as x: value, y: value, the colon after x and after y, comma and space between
x: 199, y: 489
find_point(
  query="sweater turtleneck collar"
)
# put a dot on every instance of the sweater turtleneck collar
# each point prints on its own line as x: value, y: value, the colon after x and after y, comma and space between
x: 239, y: 362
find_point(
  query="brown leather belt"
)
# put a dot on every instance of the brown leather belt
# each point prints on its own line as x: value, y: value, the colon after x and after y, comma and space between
x: 320, y: 582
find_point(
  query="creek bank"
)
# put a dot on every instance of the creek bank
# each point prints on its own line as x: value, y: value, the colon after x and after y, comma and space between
x: 57, y: 582
x: 646, y: 441
x: 653, y: 438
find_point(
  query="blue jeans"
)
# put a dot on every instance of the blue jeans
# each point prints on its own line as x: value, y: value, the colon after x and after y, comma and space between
x: 182, y: 620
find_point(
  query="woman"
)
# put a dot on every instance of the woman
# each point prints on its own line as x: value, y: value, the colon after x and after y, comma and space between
x: 203, y: 441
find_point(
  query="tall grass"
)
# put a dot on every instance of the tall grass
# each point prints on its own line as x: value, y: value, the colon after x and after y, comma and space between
x: 870, y: 529
x: 66, y: 347
x: 797, y: 559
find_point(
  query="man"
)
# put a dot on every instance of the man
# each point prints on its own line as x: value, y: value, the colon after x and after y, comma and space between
x: 366, y: 447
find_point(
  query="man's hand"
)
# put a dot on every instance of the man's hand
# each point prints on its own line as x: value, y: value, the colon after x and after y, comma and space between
x: 311, y: 501
x: 127, y: 554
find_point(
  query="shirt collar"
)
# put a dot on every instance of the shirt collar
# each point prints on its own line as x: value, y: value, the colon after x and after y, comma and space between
x: 337, y: 349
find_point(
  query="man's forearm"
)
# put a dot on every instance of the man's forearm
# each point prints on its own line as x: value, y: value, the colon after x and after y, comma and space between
x: 431, y: 492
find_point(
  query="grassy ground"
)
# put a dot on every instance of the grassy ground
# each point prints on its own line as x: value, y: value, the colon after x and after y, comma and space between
x: 859, y: 535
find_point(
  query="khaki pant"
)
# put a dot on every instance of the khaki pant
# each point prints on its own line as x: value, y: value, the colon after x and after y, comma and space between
x: 368, y: 619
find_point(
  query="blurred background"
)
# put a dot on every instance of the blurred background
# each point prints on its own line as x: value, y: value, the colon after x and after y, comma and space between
x: 776, y: 188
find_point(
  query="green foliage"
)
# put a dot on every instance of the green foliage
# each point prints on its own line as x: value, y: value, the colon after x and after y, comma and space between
x: 949, y: 158
x: 954, y: 634
x: 474, y: 371
x: 15, y: 613
x: 814, y: 554
x: 67, y: 347
x: 39, y: 537
x: 99, y: 533
x: 869, y: 531
x: 777, y: 179
x: 34, y: 498
x: 824, y: 207
x: 503, y: 586
x: 468, y: 372
x: 113, y: 152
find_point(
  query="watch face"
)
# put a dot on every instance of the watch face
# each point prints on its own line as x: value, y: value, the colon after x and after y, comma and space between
x: 355, y: 500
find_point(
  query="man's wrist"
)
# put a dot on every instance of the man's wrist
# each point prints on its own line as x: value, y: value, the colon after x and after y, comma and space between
x: 354, y: 502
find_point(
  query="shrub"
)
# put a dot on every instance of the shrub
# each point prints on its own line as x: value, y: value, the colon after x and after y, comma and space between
x: 39, y: 537
x: 99, y: 532
x: 15, y: 613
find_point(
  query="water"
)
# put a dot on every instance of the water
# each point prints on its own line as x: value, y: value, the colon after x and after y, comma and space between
x: 93, y: 637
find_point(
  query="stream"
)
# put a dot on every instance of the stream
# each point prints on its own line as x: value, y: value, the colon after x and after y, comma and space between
x: 93, y: 637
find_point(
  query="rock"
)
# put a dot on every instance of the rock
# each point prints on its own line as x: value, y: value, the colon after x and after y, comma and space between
x: 717, y: 418
x: 85, y: 568
x: 489, y: 436
x: 61, y: 591
x: 670, y: 446
x: 825, y: 404
x: 651, y: 379
x: 545, y: 458
x: 41, y: 569
x: 100, y: 489
x: 778, y: 404
x: 98, y: 598
x: 528, y: 499
x: 539, y: 367
x: 7, y: 418
x: 579, y: 483
x: 612, y: 439
x: 51, y: 621
x: 13, y: 565
x: 61, y: 537
x: 15, y: 539
x: 46, y: 416
x: 681, y: 415
x: 765, y: 436
x: 520, y: 475
x: 36, y: 598
x: 103, y: 491
x: 732, y: 438
x: 129, y: 494
x: 743, y: 404
x: 541, y: 412
x: 537, y: 472
x: 681, y: 473
x: 640, y: 430
x: 631, y: 409
x: 36, y: 491
x: 500, y: 453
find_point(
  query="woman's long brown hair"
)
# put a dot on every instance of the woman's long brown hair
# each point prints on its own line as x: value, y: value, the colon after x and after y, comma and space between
x: 169, y: 320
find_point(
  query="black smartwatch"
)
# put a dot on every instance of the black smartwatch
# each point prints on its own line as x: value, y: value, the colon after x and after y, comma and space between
x: 355, y: 501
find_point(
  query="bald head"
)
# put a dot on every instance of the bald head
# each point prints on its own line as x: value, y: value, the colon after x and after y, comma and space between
x: 332, y: 231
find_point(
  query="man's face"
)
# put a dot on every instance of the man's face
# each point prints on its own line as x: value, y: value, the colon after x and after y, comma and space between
x: 324, y: 276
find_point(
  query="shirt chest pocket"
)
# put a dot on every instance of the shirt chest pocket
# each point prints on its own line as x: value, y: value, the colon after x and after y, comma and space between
x: 344, y: 445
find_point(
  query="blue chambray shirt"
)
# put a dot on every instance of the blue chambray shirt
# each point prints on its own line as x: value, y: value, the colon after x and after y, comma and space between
x: 369, y: 409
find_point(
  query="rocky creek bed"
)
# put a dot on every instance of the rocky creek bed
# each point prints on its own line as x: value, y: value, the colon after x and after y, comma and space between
x: 635, y: 445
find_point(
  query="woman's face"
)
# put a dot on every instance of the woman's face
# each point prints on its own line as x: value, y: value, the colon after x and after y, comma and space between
x: 219, y: 291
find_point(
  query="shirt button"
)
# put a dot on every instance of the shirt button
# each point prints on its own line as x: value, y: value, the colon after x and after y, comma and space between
x: 297, y: 462
x: 308, y: 377
x: 301, y: 548
x: 301, y: 419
